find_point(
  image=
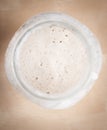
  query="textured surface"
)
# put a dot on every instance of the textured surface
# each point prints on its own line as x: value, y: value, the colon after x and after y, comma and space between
x: 53, y: 59
x: 16, y: 112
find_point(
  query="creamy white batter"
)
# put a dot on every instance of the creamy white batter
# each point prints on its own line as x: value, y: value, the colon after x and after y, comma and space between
x: 52, y: 59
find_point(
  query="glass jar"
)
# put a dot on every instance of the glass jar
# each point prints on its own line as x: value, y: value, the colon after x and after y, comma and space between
x: 59, y: 36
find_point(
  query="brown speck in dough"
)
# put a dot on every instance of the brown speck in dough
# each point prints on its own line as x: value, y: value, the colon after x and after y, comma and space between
x: 52, y: 78
x: 41, y: 64
x: 36, y: 78
x: 48, y: 92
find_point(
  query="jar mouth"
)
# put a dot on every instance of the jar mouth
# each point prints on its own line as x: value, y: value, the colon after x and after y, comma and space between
x: 91, y: 45
x: 37, y: 92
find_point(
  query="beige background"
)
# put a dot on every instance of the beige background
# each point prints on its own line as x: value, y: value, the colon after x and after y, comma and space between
x: 18, y: 113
